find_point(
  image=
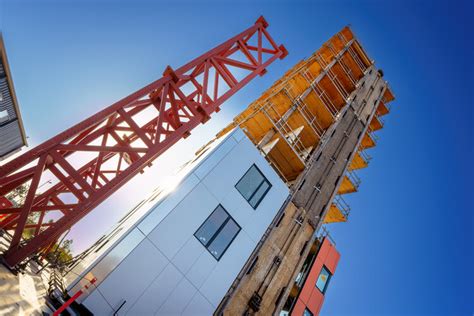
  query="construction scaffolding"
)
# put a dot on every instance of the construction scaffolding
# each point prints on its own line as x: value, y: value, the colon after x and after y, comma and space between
x: 289, y: 120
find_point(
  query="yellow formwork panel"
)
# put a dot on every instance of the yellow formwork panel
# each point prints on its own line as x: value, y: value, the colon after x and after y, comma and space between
x: 297, y: 84
x: 360, y: 51
x: 343, y: 78
x: 375, y: 124
x: 334, y: 215
x: 367, y: 141
x: 319, y: 110
x: 350, y: 62
x: 347, y: 33
x: 358, y: 162
x: 336, y: 98
x: 260, y: 117
x: 314, y: 69
x: 346, y: 186
x: 286, y: 160
x: 280, y: 102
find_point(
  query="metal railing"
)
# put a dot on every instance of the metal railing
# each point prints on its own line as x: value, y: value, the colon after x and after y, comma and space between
x: 324, y: 233
x: 364, y: 154
x: 285, y: 130
x: 354, y: 178
x: 342, y: 205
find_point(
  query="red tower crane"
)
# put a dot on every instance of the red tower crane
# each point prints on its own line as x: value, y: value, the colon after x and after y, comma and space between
x: 93, y: 159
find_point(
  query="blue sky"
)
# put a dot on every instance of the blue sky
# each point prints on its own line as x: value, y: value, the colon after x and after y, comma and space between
x: 408, y: 246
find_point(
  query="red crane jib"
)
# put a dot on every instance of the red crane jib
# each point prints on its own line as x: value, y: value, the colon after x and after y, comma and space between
x: 91, y: 160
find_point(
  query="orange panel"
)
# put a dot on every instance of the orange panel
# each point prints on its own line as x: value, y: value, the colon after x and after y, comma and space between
x: 332, y: 259
x: 346, y: 186
x: 324, y: 251
x: 382, y: 109
x: 388, y: 95
x: 358, y: 162
x: 334, y: 215
x: 310, y: 282
x: 310, y: 297
x: 367, y: 141
x: 375, y: 124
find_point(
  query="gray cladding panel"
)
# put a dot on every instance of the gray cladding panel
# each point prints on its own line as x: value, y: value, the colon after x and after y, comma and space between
x: 10, y: 138
x: 10, y: 132
x: 6, y: 101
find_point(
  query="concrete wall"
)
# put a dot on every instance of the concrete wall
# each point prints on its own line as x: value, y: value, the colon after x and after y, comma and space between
x: 159, y: 267
x: 265, y: 276
x: 330, y: 161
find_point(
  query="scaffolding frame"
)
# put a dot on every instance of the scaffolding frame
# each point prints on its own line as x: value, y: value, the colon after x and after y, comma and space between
x: 342, y: 205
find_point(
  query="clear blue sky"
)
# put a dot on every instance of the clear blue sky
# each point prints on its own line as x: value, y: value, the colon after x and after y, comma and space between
x: 408, y: 247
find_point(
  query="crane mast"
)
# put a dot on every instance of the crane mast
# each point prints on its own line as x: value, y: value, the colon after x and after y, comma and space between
x: 91, y: 160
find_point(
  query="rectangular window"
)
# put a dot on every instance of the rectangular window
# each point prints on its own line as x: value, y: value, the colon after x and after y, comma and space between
x: 3, y: 116
x: 253, y: 186
x: 217, y: 232
x: 323, y: 279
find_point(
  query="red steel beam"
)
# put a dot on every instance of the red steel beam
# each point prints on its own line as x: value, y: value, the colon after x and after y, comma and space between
x: 123, y: 139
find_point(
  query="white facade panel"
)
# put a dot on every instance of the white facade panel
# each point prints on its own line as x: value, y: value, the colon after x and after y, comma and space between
x: 157, y: 293
x: 180, y: 224
x: 108, y: 263
x: 238, y: 134
x: 98, y: 304
x: 198, y: 306
x: 179, y: 299
x: 188, y: 255
x: 222, y: 276
x: 194, y: 281
x: 132, y: 276
x: 201, y: 269
x: 164, y: 207
x: 212, y: 160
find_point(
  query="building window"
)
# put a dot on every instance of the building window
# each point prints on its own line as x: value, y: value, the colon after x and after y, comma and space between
x: 253, y: 186
x: 3, y: 116
x: 323, y: 279
x: 307, y: 312
x: 217, y: 232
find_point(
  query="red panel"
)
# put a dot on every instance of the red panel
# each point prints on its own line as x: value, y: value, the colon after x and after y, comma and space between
x: 310, y: 296
x: 93, y: 159
x: 325, y: 249
x: 315, y: 301
x: 310, y: 282
x: 332, y: 259
x: 298, y: 309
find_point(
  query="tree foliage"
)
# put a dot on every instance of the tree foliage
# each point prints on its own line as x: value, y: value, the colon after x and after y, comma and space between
x: 60, y: 254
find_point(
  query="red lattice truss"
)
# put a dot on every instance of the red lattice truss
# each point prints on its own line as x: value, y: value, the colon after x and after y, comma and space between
x: 93, y: 159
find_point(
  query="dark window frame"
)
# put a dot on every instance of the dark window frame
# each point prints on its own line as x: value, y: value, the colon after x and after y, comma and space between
x: 216, y: 234
x: 258, y: 187
x: 323, y: 291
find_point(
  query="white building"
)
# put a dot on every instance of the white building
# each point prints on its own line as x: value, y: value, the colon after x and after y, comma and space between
x: 179, y: 252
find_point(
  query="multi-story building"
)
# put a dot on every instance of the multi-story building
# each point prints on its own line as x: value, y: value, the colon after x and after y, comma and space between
x: 12, y: 133
x: 242, y: 232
